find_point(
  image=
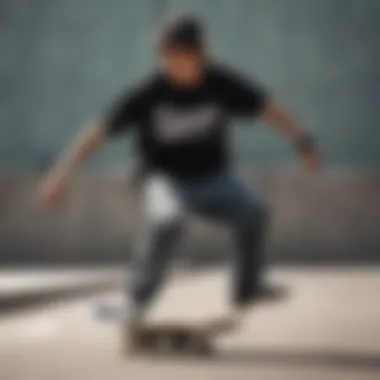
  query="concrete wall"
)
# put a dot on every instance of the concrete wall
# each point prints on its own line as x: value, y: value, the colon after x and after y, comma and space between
x: 334, y: 219
x: 63, y: 62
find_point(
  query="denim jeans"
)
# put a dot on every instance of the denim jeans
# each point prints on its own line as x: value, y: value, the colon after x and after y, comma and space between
x: 221, y: 196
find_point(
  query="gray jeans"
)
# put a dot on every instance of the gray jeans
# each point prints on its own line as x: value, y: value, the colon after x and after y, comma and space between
x: 222, y: 196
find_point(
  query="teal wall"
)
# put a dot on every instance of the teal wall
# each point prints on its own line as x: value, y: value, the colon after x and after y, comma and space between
x: 63, y: 61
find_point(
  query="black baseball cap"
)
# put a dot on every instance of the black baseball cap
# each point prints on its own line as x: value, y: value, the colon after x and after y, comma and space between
x: 185, y: 32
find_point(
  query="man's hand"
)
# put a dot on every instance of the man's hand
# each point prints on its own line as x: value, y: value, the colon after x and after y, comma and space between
x: 54, y: 188
x: 311, y: 160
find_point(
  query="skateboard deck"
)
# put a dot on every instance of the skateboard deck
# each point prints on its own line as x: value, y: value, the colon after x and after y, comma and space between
x: 176, y: 337
x: 169, y: 336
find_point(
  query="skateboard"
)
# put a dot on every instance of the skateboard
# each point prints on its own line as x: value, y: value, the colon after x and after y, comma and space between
x: 149, y: 337
x: 175, y: 337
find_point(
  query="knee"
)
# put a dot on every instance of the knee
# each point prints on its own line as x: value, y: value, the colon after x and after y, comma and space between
x: 168, y: 227
x: 166, y: 224
x: 166, y: 219
x: 163, y: 208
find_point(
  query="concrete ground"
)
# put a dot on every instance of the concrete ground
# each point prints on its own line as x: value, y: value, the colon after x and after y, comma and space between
x: 326, y: 327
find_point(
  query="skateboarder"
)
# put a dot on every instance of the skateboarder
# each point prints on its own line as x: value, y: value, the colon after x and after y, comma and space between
x: 181, y: 114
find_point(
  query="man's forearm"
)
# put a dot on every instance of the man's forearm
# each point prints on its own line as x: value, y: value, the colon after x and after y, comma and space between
x: 86, y: 145
x: 288, y: 125
x: 303, y: 142
x: 284, y: 121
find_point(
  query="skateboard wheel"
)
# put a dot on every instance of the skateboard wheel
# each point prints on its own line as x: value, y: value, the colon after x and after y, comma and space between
x: 147, y: 340
x: 181, y: 341
x: 203, y: 347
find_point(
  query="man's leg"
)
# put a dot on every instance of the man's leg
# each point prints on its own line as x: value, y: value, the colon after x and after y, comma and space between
x: 163, y: 216
x: 229, y: 200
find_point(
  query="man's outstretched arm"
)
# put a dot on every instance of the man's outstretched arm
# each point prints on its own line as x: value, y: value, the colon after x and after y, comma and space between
x: 56, y: 182
x: 124, y: 113
x: 280, y: 118
x: 89, y: 141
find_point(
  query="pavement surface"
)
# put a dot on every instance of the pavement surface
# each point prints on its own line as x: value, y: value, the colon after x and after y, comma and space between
x: 327, y: 326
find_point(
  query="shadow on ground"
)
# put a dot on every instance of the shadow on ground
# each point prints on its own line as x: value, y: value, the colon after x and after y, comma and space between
x: 26, y: 302
x: 290, y: 358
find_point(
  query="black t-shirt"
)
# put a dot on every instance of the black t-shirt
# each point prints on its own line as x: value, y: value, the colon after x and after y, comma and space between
x: 182, y: 131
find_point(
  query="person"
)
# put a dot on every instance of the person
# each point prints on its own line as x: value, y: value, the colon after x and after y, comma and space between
x: 181, y: 114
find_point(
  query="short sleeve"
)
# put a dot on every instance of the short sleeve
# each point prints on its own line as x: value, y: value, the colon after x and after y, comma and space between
x: 123, y: 113
x: 243, y: 97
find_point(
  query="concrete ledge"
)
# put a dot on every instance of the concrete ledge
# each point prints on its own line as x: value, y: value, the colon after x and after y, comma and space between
x: 331, y: 218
